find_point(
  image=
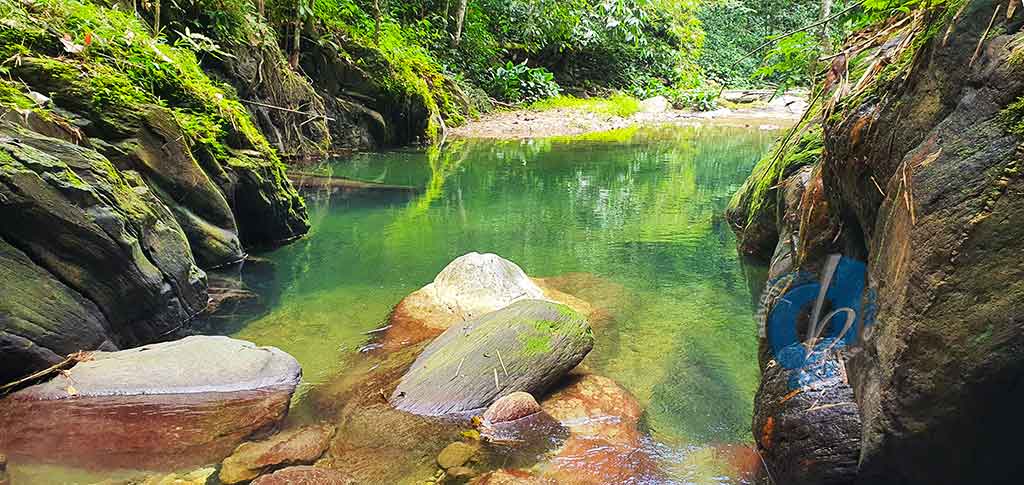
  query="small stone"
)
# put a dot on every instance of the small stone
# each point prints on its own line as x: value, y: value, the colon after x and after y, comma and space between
x: 460, y: 474
x: 196, y: 477
x: 455, y: 455
x: 39, y: 99
x: 511, y: 407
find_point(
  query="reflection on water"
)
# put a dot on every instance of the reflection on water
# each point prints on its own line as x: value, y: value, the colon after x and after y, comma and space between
x: 638, y: 209
x: 631, y: 220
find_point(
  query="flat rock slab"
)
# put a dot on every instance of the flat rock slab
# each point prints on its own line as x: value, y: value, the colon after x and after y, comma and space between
x: 168, y: 405
x: 526, y: 346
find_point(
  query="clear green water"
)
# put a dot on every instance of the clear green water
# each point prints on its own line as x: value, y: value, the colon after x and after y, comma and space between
x: 633, y: 216
x: 639, y: 208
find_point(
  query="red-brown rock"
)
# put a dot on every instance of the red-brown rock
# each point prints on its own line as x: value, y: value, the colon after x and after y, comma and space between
x: 163, y: 406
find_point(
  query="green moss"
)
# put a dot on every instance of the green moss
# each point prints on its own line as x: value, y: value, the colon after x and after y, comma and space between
x: 535, y: 344
x: 754, y: 197
x: 1012, y: 117
x: 11, y: 96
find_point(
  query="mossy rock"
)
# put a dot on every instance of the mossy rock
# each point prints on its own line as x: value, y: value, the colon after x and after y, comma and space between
x: 120, y: 268
x: 526, y: 346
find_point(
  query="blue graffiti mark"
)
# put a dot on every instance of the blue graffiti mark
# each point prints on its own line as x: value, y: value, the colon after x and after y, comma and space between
x: 852, y: 310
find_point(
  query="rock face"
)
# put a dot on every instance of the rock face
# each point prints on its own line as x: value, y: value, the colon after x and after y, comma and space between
x: 526, y: 346
x: 167, y: 405
x: 920, y: 177
x: 299, y: 446
x: 90, y: 259
x: 936, y: 384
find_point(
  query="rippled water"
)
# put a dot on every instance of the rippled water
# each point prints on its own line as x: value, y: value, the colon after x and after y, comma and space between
x: 630, y: 220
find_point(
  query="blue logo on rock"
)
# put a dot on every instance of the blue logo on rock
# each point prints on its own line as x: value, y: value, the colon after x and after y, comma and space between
x: 799, y: 336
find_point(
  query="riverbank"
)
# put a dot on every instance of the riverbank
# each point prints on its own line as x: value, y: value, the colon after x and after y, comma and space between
x: 739, y: 108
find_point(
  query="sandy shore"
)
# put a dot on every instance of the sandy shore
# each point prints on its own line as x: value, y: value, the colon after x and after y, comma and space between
x: 521, y: 124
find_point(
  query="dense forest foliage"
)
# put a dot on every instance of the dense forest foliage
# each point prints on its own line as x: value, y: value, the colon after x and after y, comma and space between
x: 415, y: 66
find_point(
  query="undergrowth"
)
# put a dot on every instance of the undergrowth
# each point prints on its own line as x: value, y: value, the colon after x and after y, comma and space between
x: 109, y: 55
x: 622, y: 105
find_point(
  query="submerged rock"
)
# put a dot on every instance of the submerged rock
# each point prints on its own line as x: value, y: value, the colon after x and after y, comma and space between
x: 511, y: 477
x: 456, y: 455
x: 196, y: 477
x: 300, y: 446
x: 167, y: 405
x: 526, y: 346
x: 605, y: 444
x: 305, y: 475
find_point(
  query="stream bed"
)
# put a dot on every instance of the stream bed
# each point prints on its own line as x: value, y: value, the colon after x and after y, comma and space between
x: 629, y: 220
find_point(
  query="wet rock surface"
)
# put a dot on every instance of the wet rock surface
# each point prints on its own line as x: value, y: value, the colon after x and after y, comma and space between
x: 301, y: 446
x: 168, y: 405
x: 525, y: 346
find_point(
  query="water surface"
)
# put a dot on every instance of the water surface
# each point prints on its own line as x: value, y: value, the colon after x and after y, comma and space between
x: 631, y: 220
x: 638, y: 210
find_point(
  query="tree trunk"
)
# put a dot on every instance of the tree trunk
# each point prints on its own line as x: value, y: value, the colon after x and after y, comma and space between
x: 376, y: 21
x: 460, y: 17
x: 293, y: 60
x: 156, y: 18
x: 261, y: 7
x: 826, y: 12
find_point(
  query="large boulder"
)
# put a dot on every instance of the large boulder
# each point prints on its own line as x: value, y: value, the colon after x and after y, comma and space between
x: 168, y: 405
x: 937, y: 383
x: 526, y: 346
x: 90, y: 258
x: 470, y: 286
